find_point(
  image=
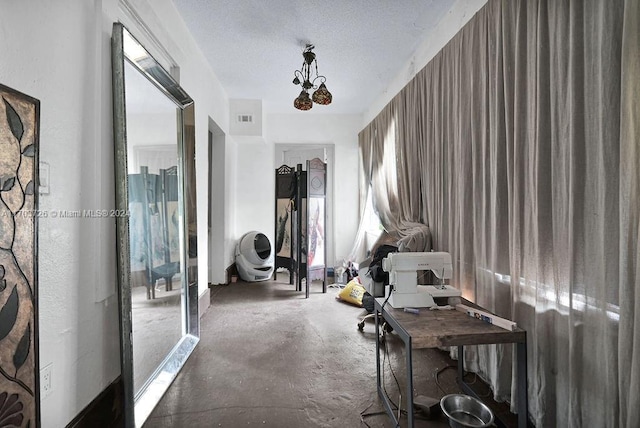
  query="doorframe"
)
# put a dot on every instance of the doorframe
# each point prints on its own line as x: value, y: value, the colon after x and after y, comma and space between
x: 279, y: 149
x: 216, y: 218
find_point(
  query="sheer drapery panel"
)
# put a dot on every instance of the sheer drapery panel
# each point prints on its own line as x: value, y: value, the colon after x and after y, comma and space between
x: 518, y: 145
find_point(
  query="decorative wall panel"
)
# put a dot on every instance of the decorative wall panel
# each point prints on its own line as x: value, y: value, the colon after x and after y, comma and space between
x: 19, y: 380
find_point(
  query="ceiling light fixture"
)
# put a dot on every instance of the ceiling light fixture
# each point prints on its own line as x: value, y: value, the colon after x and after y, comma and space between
x: 307, y: 80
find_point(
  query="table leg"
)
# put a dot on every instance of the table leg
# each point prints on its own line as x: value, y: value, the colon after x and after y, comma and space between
x: 409, y: 399
x: 465, y: 386
x: 381, y: 393
x: 522, y: 385
x: 461, y: 366
x: 406, y: 339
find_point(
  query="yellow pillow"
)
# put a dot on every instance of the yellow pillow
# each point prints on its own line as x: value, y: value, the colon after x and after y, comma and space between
x: 352, y: 293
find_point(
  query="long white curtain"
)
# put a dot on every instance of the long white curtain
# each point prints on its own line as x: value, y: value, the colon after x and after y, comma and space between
x: 519, y: 146
x: 384, y: 175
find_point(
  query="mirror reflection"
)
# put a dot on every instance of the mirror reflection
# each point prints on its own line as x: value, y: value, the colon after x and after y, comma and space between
x: 155, y: 222
x: 154, y: 139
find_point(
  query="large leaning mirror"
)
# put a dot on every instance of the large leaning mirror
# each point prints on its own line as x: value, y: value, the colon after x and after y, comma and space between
x: 155, y: 188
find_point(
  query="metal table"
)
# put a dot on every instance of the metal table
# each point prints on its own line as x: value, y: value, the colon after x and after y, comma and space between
x: 432, y: 329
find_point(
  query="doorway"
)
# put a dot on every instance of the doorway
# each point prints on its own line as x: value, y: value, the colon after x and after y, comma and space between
x: 293, y: 154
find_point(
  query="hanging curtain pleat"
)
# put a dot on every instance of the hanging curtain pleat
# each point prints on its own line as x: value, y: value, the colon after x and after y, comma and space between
x: 518, y: 145
x: 628, y: 286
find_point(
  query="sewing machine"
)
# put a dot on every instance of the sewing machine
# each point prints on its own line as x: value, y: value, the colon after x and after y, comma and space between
x: 403, y: 279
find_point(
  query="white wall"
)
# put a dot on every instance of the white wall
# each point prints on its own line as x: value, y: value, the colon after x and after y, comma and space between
x: 255, y: 186
x: 59, y: 52
x: 55, y: 53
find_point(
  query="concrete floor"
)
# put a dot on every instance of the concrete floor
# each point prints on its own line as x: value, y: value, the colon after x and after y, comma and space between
x: 268, y: 357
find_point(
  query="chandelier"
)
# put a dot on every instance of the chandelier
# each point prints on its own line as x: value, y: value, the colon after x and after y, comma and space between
x: 307, y: 79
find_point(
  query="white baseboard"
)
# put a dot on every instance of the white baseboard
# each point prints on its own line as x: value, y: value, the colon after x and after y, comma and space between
x: 204, y: 301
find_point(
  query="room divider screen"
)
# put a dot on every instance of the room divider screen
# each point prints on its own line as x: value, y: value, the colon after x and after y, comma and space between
x: 300, y: 223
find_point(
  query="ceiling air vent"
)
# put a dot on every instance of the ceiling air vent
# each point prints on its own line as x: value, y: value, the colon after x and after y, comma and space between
x: 245, y: 118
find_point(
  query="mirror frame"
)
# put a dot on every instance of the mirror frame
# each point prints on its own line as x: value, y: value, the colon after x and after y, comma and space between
x: 138, y: 406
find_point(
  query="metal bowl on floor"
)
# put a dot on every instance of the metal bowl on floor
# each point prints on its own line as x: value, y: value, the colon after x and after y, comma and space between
x: 465, y: 411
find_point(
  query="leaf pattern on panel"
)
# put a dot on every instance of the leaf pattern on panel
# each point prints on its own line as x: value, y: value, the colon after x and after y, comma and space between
x: 29, y: 189
x: 22, y: 351
x: 8, y: 184
x: 30, y: 150
x: 9, y: 313
x: 15, y: 123
x: 10, y: 410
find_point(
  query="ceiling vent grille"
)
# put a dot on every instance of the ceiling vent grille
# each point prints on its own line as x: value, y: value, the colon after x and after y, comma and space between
x: 245, y: 118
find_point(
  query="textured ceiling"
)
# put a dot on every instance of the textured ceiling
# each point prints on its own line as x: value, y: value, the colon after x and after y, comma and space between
x: 254, y: 46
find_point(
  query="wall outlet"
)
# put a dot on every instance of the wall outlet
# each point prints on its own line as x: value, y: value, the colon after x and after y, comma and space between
x: 45, y: 381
